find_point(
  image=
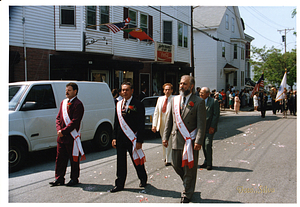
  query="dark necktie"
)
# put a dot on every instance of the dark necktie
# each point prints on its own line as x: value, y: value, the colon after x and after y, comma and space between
x: 164, y: 108
x: 183, y: 103
x: 124, y: 108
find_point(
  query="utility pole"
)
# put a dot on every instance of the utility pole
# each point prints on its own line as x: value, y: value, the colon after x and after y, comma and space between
x: 284, y: 36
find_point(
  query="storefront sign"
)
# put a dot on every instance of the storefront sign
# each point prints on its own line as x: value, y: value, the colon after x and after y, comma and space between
x: 164, y: 52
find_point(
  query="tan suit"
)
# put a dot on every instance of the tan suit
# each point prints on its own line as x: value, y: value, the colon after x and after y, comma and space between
x: 159, y: 120
x: 193, y: 117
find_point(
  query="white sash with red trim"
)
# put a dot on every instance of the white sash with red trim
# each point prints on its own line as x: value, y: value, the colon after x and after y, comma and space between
x: 77, y: 147
x: 138, y: 155
x: 187, y: 156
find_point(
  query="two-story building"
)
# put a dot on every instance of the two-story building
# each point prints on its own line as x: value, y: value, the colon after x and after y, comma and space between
x: 220, y: 59
x: 73, y: 43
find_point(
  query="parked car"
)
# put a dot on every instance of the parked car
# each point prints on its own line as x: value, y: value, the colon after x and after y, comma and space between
x: 149, y: 103
x: 34, y: 105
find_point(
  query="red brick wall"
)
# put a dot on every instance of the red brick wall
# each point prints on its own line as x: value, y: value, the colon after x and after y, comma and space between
x: 37, y: 64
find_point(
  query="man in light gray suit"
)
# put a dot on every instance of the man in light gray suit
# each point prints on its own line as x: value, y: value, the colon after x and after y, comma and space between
x: 186, y: 125
x: 212, y: 119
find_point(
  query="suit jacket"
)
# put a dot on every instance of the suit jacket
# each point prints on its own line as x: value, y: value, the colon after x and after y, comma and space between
x: 212, y: 113
x: 157, y: 116
x: 75, y: 111
x: 135, y: 118
x: 193, y: 117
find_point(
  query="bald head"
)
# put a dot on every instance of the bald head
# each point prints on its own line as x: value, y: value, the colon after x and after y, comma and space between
x: 204, y: 92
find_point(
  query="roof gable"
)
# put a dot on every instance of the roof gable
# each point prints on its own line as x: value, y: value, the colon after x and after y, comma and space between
x: 208, y: 16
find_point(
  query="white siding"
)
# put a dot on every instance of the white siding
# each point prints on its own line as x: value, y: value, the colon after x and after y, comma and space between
x: 69, y: 38
x: 205, y: 61
x: 39, y: 26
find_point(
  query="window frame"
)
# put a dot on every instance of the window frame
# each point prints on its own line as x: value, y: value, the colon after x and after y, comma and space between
x: 235, y: 51
x: 226, y: 21
x: 232, y: 25
x: 88, y: 10
x: 145, y: 29
x: 223, y: 49
x: 170, y: 42
x: 103, y: 28
x: 68, y: 8
x: 133, y: 23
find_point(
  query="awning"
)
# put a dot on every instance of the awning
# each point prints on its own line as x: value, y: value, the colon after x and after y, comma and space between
x: 230, y: 68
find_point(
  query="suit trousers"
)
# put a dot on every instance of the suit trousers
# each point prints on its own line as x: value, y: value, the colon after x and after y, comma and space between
x: 63, y: 155
x: 188, y: 176
x: 122, y: 165
x: 207, y: 148
x: 167, y: 151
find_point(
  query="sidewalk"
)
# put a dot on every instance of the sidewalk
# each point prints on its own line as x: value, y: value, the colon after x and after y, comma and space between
x: 247, y: 108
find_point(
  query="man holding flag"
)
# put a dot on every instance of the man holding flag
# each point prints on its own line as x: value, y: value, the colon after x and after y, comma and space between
x: 260, y: 83
x: 282, y: 89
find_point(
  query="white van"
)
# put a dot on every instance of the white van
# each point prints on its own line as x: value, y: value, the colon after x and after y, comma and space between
x: 34, y: 105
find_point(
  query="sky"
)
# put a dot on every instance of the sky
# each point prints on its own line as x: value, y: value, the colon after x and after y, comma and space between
x: 263, y: 23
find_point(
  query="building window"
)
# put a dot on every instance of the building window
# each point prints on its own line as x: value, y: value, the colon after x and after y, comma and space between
x: 91, y: 17
x: 235, y: 79
x: 223, y: 49
x: 104, y: 18
x: 235, y: 51
x: 242, y: 78
x: 167, y: 32
x: 242, y: 53
x: 182, y: 35
x: 144, y: 23
x: 67, y: 15
x: 227, y: 21
x: 232, y: 25
x: 185, y: 36
x: 133, y: 21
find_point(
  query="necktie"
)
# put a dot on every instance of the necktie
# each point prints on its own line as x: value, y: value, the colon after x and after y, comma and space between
x: 183, y: 103
x: 124, y: 108
x: 164, y: 108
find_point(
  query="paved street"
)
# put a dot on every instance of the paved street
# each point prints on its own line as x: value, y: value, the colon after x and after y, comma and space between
x: 254, y: 162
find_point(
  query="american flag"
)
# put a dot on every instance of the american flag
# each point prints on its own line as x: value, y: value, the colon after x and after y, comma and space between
x: 260, y: 83
x: 116, y: 27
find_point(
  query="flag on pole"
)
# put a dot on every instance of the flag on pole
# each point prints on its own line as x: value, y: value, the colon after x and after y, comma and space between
x: 116, y: 27
x: 260, y: 83
x: 138, y: 33
x: 280, y: 93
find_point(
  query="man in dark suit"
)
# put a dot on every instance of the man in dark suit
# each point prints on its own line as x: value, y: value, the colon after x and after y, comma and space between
x: 212, y: 118
x: 186, y: 125
x: 67, y: 125
x: 143, y: 93
x: 263, y: 103
x: 128, y: 136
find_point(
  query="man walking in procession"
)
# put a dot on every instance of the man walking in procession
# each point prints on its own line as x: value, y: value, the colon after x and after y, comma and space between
x: 212, y: 118
x: 186, y: 125
x: 128, y: 136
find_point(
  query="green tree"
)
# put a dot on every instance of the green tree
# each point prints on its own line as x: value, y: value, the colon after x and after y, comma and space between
x: 273, y: 63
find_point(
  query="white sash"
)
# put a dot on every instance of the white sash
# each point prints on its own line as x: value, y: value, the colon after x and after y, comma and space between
x: 187, y: 156
x: 138, y: 155
x: 77, y: 147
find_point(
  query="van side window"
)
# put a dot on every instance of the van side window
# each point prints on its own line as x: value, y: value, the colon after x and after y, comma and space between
x: 42, y: 95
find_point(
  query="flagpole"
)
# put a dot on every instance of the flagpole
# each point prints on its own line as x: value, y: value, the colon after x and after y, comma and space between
x: 103, y: 24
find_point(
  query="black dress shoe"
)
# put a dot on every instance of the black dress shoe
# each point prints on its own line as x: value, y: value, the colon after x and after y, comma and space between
x: 209, y: 167
x: 203, y: 165
x: 57, y: 183
x: 143, y: 183
x: 72, y: 183
x: 184, y: 200
x: 116, y: 189
x: 168, y: 164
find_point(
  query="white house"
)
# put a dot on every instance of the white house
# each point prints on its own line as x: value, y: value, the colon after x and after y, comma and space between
x: 220, y: 53
x: 71, y: 42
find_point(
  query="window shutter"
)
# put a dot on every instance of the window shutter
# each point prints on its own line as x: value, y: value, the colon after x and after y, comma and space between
x: 150, y: 23
x: 125, y: 34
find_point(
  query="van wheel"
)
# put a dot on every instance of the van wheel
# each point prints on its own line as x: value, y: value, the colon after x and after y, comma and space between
x: 102, y: 139
x: 17, y: 155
